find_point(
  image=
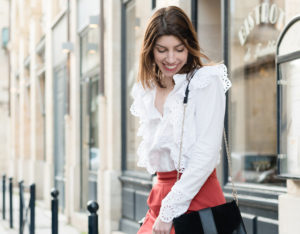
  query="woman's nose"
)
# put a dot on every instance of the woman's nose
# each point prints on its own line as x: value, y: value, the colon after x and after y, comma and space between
x: 170, y: 57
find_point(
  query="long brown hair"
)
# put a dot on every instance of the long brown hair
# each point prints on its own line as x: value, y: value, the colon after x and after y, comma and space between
x: 168, y: 21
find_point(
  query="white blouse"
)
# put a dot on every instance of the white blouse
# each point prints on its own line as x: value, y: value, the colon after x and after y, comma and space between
x: 202, y: 136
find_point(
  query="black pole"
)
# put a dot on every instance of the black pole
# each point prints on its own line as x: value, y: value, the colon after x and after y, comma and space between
x: 92, y: 207
x: 21, y: 193
x: 54, y: 211
x: 11, y: 221
x: 3, y: 195
x: 194, y: 14
x: 32, y: 209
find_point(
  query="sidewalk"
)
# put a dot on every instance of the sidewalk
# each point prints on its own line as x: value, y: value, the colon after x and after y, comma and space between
x: 42, y: 219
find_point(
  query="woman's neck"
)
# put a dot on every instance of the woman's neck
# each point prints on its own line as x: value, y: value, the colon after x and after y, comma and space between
x: 167, y: 82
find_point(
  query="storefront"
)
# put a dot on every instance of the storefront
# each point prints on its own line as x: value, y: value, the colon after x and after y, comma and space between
x: 245, y: 35
x: 252, y: 109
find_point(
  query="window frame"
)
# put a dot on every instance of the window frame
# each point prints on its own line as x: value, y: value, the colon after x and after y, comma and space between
x: 280, y: 59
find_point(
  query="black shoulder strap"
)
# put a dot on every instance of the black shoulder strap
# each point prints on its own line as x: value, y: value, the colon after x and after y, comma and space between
x: 187, y: 90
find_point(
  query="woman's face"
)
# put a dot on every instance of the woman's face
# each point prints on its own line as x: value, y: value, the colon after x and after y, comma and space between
x: 170, y: 55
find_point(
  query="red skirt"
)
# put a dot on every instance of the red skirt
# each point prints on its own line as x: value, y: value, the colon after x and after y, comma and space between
x: 210, y: 195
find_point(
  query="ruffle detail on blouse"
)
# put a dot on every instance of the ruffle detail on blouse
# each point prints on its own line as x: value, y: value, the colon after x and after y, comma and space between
x: 205, y: 74
x: 140, y: 108
x: 224, y: 77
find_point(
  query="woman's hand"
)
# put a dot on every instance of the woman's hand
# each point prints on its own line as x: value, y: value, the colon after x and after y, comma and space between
x: 161, y: 227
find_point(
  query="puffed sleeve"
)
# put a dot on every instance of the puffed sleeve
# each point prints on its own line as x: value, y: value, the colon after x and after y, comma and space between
x: 205, y: 152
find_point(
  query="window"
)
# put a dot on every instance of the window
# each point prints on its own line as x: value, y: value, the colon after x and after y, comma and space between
x: 288, y: 82
x: 89, y: 115
x: 134, y: 26
x: 255, y: 27
x: 131, y: 75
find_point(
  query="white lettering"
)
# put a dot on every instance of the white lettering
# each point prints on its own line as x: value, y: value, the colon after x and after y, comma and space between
x: 273, y: 14
x: 246, y: 27
x: 280, y: 21
x: 250, y: 21
x: 256, y: 13
x: 261, y: 51
x: 264, y: 12
x: 242, y: 36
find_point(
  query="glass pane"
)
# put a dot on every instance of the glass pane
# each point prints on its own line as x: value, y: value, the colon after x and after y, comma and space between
x: 94, y: 122
x: 84, y: 135
x: 59, y: 130
x: 59, y: 37
x: 291, y: 40
x: 132, y: 51
x: 85, y: 10
x: 89, y: 50
x: 90, y: 152
x: 290, y: 118
x: 255, y: 27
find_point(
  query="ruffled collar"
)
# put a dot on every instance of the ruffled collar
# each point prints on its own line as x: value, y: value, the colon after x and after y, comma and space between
x: 201, y: 79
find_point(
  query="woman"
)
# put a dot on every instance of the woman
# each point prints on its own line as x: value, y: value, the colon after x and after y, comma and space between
x: 170, y: 56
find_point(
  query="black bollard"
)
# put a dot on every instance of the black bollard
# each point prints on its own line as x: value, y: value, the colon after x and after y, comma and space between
x: 3, y: 195
x: 32, y: 209
x: 21, y: 193
x: 92, y: 207
x: 11, y: 216
x: 54, y: 211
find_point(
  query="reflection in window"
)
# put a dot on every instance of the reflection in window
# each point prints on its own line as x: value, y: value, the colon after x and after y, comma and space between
x: 252, y: 101
x: 94, y: 155
x: 89, y: 49
x: 131, y: 74
x: 90, y: 151
x: 290, y: 117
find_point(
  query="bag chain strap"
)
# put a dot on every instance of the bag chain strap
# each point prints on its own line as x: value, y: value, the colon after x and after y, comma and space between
x: 180, y: 148
x: 234, y: 191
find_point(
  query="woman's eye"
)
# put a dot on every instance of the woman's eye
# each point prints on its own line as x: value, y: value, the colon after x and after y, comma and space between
x: 161, y: 51
x: 180, y: 50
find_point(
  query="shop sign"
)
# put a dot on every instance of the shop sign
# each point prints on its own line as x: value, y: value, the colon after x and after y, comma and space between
x: 263, y: 13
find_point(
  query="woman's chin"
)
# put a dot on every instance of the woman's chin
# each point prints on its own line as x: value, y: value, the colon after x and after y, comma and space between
x: 168, y: 73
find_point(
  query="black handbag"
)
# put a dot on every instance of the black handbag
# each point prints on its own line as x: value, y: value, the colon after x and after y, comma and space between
x: 222, y: 219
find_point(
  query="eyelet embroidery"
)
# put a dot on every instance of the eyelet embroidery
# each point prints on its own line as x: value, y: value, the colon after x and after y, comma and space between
x: 224, y: 77
x: 171, y: 206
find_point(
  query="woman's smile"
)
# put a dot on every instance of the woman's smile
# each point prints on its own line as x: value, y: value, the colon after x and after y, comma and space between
x: 170, y: 68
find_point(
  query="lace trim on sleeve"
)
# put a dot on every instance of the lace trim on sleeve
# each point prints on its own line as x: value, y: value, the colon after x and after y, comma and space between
x: 224, y: 77
x: 172, y: 206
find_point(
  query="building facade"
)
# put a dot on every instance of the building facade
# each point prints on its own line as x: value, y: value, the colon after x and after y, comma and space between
x: 72, y: 68
x: 4, y: 84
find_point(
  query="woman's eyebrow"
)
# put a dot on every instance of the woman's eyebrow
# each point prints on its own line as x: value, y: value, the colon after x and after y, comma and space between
x: 166, y: 47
